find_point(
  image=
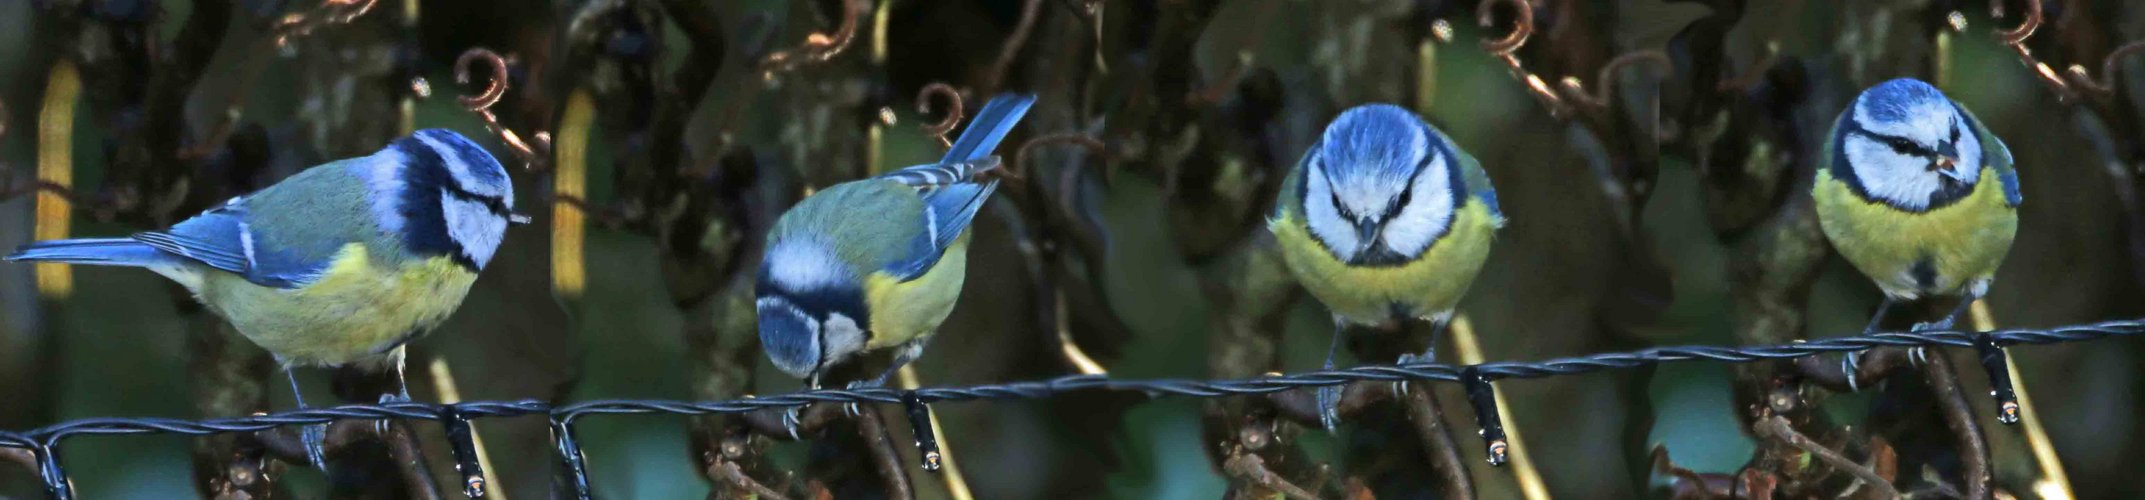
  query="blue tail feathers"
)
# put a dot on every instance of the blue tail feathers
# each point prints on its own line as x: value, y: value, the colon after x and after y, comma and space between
x: 94, y: 251
x: 990, y: 126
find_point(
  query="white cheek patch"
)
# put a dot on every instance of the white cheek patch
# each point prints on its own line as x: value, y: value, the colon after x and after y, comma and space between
x: 1970, y: 158
x: 1325, y: 221
x: 843, y: 338
x: 804, y: 265
x: 1428, y: 213
x: 1885, y: 174
x: 472, y: 225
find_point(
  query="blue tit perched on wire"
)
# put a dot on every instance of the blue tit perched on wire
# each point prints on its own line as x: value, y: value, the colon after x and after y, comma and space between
x: 342, y: 263
x: 1384, y: 220
x: 1918, y: 195
x: 877, y: 263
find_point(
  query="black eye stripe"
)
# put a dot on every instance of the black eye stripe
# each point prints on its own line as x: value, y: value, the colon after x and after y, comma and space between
x: 496, y: 206
x: 1899, y: 144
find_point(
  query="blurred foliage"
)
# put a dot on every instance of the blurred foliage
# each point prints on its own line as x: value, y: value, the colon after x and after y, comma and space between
x: 116, y: 349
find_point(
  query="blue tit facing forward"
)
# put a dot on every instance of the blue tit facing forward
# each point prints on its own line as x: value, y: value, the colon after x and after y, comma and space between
x: 1917, y: 194
x: 342, y: 263
x: 877, y: 263
x: 1385, y: 220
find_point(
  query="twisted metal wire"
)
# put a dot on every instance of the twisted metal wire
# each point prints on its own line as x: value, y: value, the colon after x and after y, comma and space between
x: 43, y: 441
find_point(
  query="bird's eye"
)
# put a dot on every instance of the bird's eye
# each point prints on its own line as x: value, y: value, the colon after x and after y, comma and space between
x: 1337, y: 206
x: 1393, y: 210
x: 1954, y: 132
x: 1902, y: 146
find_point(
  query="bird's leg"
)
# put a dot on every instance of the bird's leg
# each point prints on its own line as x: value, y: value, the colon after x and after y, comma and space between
x: 902, y: 357
x: 398, y: 362
x: 1848, y: 363
x: 315, y: 436
x: 1329, y: 397
x: 1429, y: 355
x: 1920, y: 354
x: 790, y: 416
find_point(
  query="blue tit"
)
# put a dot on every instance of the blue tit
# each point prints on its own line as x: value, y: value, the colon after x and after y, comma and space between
x: 342, y: 263
x: 1918, y: 195
x: 1384, y: 220
x: 877, y: 263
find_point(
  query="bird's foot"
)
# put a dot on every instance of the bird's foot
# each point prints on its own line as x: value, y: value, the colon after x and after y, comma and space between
x: 1849, y: 365
x: 789, y: 421
x: 1933, y: 326
x: 1329, y: 407
x: 851, y: 409
x: 315, y: 438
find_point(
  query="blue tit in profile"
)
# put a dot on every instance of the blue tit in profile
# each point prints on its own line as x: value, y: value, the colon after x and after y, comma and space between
x: 1918, y: 195
x: 877, y: 263
x: 1384, y: 220
x: 340, y: 264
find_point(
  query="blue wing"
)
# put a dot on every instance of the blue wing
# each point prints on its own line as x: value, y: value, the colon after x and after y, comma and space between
x: 221, y: 238
x: 950, y: 200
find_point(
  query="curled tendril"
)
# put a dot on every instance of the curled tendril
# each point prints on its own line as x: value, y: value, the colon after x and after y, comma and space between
x: 1506, y: 49
x: 2025, y: 29
x: 819, y: 47
x: 2078, y: 81
x: 1605, y: 79
x: 1522, y: 26
x: 2109, y: 68
x: 1071, y: 173
x: 954, y: 112
x: 329, y: 12
x: 494, y: 90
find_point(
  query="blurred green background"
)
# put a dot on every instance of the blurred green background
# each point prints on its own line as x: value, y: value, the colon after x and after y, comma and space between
x: 117, y: 348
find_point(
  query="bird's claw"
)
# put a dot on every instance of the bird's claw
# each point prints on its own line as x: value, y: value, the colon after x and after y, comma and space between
x: 790, y: 421
x: 1849, y: 366
x: 314, y: 438
x: 851, y: 409
x: 1329, y: 407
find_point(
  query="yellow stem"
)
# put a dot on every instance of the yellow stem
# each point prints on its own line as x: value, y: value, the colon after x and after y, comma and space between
x: 570, y: 180
x: 443, y: 381
x: 1425, y: 75
x: 1072, y: 351
x: 2054, y: 484
x: 55, y: 166
x: 956, y: 486
x: 1530, y: 479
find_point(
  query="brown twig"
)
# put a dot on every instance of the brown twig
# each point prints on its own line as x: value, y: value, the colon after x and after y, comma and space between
x: 818, y: 47
x: 329, y: 12
x: 1429, y: 421
x: 1959, y: 416
x: 1506, y: 50
x: 286, y: 443
x: 734, y: 475
x: 871, y: 425
x: 2015, y: 37
x: 1777, y: 427
x: 1605, y: 79
x: 1249, y: 467
x: 1013, y: 43
x: 532, y: 158
x: 2109, y: 68
x: 955, y: 110
x: 1871, y: 366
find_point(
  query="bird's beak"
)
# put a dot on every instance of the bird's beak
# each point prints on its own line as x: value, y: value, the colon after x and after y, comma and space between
x: 1948, y: 166
x: 517, y: 219
x: 1367, y: 231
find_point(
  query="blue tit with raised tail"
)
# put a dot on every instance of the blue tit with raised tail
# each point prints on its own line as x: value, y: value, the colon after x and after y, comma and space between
x: 342, y: 263
x: 877, y: 263
x: 1384, y: 220
x: 1918, y: 195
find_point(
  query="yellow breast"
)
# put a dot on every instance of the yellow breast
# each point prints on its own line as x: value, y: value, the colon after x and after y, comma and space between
x: 905, y: 310
x: 1958, y: 245
x: 1428, y: 287
x: 357, y: 310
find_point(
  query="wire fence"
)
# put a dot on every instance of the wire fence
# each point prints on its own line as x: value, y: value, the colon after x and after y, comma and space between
x: 43, y: 443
